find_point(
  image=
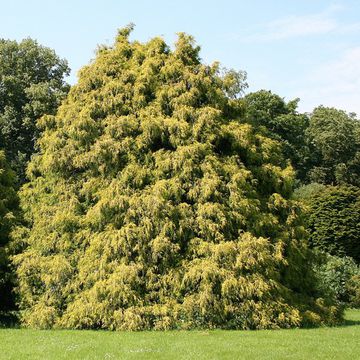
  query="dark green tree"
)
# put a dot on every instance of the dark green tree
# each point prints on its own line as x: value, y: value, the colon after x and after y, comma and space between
x: 31, y: 85
x: 283, y: 123
x: 151, y: 205
x: 334, y: 137
x: 8, y: 208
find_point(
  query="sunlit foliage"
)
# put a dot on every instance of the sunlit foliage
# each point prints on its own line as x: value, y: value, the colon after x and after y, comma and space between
x: 153, y: 206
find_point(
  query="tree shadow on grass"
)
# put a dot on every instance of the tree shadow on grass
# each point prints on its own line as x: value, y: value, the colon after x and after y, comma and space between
x: 351, y: 323
x: 9, y: 320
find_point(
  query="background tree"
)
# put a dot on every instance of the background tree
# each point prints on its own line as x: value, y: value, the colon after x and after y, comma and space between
x: 323, y: 147
x: 8, y: 206
x: 334, y: 137
x: 31, y: 85
x: 333, y: 218
x: 283, y: 123
x: 151, y: 205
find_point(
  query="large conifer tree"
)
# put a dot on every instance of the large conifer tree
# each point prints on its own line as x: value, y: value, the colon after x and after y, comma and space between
x: 151, y: 205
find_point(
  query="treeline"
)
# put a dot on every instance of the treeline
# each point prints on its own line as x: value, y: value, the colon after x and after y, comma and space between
x: 324, y: 149
x: 154, y: 194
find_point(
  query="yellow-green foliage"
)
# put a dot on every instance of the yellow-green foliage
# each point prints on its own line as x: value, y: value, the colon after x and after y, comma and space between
x: 152, y: 206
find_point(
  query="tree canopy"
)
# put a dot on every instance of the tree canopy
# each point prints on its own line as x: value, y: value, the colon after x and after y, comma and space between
x: 334, y: 137
x: 323, y: 147
x: 152, y: 205
x: 283, y: 123
x: 31, y: 85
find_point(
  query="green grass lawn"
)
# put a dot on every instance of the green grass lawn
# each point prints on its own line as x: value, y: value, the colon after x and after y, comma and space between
x: 341, y: 342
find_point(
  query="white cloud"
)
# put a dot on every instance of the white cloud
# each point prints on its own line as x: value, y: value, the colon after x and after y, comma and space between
x: 294, y: 26
x: 336, y: 83
x: 300, y: 25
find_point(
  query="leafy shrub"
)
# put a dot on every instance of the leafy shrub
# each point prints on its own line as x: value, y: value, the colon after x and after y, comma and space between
x: 340, y: 278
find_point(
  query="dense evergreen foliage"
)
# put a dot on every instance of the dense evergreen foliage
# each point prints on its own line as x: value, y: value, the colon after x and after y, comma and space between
x: 151, y: 205
x: 8, y: 207
x: 333, y: 219
x: 31, y: 85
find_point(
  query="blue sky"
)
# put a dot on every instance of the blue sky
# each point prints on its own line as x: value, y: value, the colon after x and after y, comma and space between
x: 308, y: 49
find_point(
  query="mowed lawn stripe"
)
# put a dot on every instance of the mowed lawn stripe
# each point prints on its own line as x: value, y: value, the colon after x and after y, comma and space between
x: 321, y: 343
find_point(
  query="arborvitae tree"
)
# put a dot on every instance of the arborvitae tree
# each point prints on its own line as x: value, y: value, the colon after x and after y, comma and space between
x: 31, y: 85
x: 8, y: 206
x: 151, y: 205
